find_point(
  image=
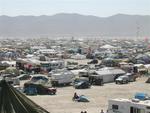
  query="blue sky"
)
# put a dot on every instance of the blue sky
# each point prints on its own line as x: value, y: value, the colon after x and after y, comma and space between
x: 102, y: 8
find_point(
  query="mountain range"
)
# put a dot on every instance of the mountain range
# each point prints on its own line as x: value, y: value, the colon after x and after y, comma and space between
x: 75, y: 24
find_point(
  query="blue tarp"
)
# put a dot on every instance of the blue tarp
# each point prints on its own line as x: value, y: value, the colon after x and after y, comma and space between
x: 141, y: 96
x: 83, y: 98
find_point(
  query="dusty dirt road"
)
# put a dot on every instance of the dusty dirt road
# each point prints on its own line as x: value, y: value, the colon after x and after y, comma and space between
x: 98, y: 96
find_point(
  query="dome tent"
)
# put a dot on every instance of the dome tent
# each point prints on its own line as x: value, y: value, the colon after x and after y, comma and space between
x: 13, y: 101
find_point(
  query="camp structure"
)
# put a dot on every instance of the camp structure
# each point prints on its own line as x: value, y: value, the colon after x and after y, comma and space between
x: 107, y: 47
x: 109, y: 74
x: 61, y: 77
x: 139, y: 104
x: 13, y: 101
x: 78, y: 57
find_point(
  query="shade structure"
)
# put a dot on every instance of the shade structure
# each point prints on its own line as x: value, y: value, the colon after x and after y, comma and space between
x: 13, y: 101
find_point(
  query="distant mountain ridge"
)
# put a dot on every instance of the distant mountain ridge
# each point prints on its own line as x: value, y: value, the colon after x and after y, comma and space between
x: 75, y: 24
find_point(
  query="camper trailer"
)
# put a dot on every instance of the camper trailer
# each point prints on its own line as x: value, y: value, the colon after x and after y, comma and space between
x: 109, y: 74
x: 128, y: 106
x: 51, y: 65
x: 61, y: 77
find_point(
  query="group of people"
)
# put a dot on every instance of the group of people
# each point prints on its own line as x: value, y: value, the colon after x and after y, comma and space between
x: 83, y: 111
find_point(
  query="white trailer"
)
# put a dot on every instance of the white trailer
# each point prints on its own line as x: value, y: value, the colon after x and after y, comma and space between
x: 128, y: 106
x: 108, y: 74
x: 61, y: 77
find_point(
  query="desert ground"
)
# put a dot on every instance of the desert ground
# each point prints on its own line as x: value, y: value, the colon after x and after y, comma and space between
x: 98, y: 96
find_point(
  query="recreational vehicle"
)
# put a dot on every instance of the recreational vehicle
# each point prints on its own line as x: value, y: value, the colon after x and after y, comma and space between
x: 128, y: 106
x: 51, y: 65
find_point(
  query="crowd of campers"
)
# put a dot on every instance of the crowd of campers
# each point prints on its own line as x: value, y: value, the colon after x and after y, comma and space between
x: 80, y: 63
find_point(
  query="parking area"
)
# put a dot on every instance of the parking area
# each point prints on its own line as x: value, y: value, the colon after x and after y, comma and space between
x: 98, y: 96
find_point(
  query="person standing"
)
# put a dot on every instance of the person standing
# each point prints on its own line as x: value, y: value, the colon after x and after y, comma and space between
x: 85, y: 111
x: 82, y: 112
x: 102, y: 111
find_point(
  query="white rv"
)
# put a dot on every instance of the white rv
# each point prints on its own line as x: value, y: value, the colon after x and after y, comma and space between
x: 128, y: 106
x: 62, y: 77
x: 51, y: 65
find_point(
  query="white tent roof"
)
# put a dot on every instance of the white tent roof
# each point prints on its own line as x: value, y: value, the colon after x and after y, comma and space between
x: 76, y: 72
x: 107, y: 46
x: 147, y: 65
x: 29, y: 56
x: 110, y: 71
x: 78, y: 56
x: 9, y: 62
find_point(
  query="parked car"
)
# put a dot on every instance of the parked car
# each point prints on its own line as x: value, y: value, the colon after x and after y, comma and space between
x: 72, y: 65
x: 12, y: 80
x: 37, y: 77
x: 24, y: 77
x: 35, y: 89
x: 82, y: 66
x: 81, y: 83
x: 17, y: 87
x: 122, y: 80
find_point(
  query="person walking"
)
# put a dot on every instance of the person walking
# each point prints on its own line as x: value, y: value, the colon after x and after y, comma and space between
x: 85, y: 111
x: 82, y: 112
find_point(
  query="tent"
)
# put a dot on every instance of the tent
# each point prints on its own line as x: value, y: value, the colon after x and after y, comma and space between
x: 12, y: 70
x: 107, y: 47
x: 78, y: 57
x: 13, y: 101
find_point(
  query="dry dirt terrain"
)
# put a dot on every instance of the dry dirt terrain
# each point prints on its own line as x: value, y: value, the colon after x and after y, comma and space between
x: 98, y: 96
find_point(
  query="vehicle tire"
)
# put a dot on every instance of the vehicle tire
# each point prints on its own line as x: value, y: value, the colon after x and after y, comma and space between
x: 49, y: 93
